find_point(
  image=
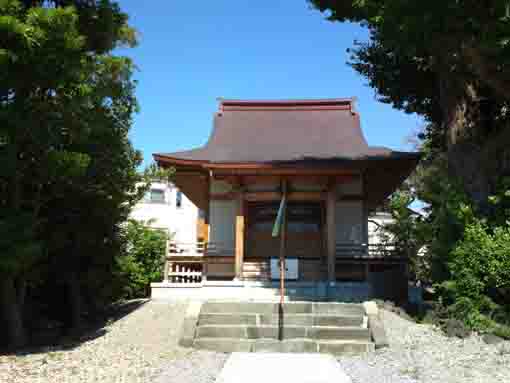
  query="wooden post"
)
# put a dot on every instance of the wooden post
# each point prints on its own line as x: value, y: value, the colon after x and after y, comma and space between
x: 207, y: 218
x: 204, y: 265
x: 331, y: 230
x: 239, y: 237
x: 283, y: 244
x: 365, y: 237
x: 324, y: 244
x: 207, y: 232
x: 283, y: 249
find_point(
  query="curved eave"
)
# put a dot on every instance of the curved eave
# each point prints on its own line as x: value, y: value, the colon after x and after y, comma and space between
x: 383, y: 174
x: 167, y: 160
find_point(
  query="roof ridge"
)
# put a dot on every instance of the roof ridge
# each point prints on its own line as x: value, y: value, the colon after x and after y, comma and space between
x: 291, y: 104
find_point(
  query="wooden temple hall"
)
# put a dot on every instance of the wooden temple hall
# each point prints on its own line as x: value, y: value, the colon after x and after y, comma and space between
x: 312, y: 154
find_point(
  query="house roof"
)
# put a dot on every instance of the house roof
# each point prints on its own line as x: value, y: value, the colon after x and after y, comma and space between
x: 263, y: 131
x: 290, y: 134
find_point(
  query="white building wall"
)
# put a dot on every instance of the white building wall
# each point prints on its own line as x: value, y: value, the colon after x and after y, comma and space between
x: 179, y: 221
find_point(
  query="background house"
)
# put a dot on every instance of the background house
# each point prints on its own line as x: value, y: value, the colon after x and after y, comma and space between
x: 377, y: 220
x: 164, y: 206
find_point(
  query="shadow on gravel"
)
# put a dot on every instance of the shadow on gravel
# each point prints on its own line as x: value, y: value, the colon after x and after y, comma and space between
x: 53, y: 338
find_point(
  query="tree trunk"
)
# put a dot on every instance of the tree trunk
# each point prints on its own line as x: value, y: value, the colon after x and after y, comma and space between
x: 465, y: 160
x: 21, y: 289
x: 9, y: 304
x: 12, y: 314
x: 75, y: 304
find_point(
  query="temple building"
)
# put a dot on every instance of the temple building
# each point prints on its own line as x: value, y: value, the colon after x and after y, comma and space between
x: 311, y: 154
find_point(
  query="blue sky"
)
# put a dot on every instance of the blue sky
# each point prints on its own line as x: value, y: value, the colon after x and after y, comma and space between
x: 192, y: 53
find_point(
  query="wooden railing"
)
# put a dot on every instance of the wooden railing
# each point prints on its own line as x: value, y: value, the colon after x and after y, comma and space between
x: 191, y: 263
x: 187, y: 262
x: 198, y: 249
x: 222, y: 249
x: 183, y: 262
x: 185, y: 273
x: 363, y: 250
x: 183, y: 249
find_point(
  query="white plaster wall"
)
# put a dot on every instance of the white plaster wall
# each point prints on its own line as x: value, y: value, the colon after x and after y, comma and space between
x: 181, y: 221
x: 222, y: 222
x: 349, y: 222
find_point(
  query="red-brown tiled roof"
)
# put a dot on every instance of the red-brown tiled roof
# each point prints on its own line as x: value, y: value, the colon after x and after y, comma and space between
x: 287, y: 130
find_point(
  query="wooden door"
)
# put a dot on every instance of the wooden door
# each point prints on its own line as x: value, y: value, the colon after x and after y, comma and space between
x: 304, y: 230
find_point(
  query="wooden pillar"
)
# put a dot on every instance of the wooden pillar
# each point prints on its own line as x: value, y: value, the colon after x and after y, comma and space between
x: 324, y: 228
x: 331, y: 232
x: 207, y: 228
x: 283, y: 247
x: 365, y: 237
x: 207, y: 218
x: 365, y: 225
x: 239, y: 237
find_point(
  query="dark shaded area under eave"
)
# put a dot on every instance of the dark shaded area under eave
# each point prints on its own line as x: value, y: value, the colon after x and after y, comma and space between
x: 382, y: 174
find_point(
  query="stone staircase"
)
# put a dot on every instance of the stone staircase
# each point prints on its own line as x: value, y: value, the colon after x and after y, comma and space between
x: 334, y: 328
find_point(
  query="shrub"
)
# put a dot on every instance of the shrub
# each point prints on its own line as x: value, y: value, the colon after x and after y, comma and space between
x: 481, y: 260
x: 502, y: 331
x: 143, y: 260
x: 479, y: 265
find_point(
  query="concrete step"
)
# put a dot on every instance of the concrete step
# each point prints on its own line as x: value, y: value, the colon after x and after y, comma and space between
x: 289, y: 332
x: 227, y: 319
x: 290, y: 345
x: 312, y: 320
x: 338, y: 308
x: 266, y: 308
x: 273, y: 319
x: 287, y: 345
x: 223, y: 344
x: 338, y: 333
x: 345, y: 347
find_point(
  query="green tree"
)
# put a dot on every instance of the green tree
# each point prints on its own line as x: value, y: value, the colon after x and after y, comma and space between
x: 404, y: 232
x: 448, y: 62
x: 61, y: 93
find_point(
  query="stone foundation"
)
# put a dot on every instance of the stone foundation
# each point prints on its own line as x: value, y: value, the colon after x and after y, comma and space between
x: 340, y: 291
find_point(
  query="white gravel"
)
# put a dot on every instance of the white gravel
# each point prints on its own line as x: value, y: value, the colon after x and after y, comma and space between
x: 142, y: 347
x: 421, y: 353
x: 139, y: 348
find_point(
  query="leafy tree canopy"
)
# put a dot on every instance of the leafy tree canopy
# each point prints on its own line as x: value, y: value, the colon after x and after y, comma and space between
x: 427, y: 57
x: 68, y: 168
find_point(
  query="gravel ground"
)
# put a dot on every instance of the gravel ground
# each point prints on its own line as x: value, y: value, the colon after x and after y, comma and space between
x: 142, y: 347
x: 421, y: 353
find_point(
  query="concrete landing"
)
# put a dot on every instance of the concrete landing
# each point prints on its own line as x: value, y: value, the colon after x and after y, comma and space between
x: 278, y: 368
